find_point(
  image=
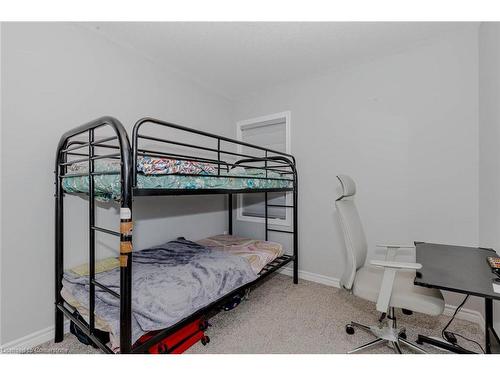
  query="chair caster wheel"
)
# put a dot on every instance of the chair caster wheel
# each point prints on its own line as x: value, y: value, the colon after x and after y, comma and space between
x: 403, y: 335
x: 407, y: 312
x: 205, y: 340
x: 349, y: 329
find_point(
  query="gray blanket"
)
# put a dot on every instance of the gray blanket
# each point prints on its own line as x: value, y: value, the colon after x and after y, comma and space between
x: 169, y: 282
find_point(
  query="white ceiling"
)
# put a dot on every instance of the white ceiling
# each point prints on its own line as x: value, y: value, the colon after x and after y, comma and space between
x: 237, y: 58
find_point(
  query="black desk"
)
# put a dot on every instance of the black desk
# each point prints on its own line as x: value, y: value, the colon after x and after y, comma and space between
x: 462, y: 270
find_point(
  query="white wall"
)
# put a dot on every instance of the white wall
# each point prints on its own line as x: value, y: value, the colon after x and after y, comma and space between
x: 55, y: 77
x: 405, y: 128
x: 489, y: 137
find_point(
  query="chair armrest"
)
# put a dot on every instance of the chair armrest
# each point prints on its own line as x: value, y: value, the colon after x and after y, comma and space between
x: 392, y: 251
x: 396, y: 246
x: 390, y: 270
x: 396, y: 265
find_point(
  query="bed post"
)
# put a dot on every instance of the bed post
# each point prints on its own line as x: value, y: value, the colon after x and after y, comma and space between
x: 59, y: 243
x: 126, y: 228
x: 295, y: 229
x: 230, y: 213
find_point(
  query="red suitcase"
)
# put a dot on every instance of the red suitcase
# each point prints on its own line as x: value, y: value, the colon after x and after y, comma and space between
x: 181, y: 340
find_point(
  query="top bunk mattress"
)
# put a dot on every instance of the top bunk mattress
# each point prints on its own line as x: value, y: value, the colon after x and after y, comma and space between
x: 156, y: 173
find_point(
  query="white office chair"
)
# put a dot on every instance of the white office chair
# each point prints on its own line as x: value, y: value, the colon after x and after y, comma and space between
x: 387, y: 282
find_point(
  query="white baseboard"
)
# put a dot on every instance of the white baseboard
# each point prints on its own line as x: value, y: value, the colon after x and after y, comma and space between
x: 469, y: 315
x: 317, y: 278
x: 33, y: 339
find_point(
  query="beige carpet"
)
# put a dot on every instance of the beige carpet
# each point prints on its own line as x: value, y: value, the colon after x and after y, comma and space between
x: 281, y: 317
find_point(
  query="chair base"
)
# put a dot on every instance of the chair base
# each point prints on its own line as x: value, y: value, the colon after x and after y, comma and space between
x: 384, y: 334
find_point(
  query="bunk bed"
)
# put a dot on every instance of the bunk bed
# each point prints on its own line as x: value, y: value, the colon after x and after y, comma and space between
x: 187, y: 162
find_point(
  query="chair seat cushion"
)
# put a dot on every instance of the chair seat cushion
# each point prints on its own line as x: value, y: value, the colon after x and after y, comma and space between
x: 405, y: 294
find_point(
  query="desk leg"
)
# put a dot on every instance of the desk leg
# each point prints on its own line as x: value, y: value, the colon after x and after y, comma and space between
x: 489, y: 331
x: 488, y: 317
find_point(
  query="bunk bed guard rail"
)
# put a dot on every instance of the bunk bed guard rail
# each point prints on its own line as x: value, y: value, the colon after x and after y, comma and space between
x: 269, y: 155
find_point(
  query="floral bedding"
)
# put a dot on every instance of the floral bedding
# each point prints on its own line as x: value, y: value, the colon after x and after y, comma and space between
x: 155, y: 174
x: 258, y: 253
x: 152, y: 166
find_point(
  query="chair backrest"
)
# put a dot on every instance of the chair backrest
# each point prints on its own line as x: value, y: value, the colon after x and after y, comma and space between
x: 354, y: 236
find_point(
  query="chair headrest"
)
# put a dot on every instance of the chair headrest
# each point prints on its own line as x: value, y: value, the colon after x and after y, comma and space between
x: 348, y: 186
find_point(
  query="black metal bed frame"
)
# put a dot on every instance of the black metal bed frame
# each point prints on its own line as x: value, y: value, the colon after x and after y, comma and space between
x: 273, y: 161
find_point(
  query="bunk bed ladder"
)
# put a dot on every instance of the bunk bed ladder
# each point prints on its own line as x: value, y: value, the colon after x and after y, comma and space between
x: 92, y: 229
x: 65, y: 148
x: 292, y: 232
x: 294, y: 225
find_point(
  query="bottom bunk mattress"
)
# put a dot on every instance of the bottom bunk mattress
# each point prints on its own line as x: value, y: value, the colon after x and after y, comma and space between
x: 169, y: 282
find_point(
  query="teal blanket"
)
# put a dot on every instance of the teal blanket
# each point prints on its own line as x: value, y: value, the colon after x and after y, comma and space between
x: 108, y: 187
